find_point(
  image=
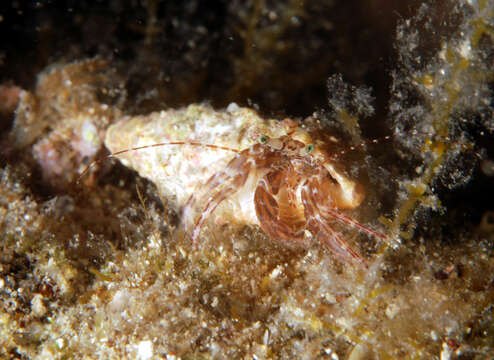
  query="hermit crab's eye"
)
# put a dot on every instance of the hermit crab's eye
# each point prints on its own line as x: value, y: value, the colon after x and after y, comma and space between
x: 263, y: 139
x: 310, y: 148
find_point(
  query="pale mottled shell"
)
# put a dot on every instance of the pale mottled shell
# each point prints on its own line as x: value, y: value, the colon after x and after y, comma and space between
x: 178, y: 170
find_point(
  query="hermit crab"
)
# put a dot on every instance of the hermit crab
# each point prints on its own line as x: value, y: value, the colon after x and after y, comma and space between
x: 234, y: 166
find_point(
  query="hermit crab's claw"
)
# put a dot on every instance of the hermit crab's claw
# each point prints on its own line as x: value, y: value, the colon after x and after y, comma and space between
x: 345, y: 193
x: 278, y: 215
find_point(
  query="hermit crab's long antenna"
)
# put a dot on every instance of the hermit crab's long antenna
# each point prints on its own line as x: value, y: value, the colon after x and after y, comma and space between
x: 115, y: 154
x: 444, y: 138
x: 360, y: 145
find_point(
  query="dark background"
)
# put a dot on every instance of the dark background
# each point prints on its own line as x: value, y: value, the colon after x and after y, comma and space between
x: 277, y: 54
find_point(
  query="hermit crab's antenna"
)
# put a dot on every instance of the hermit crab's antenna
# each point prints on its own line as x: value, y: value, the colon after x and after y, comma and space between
x: 445, y: 139
x: 340, y: 153
x: 138, y: 148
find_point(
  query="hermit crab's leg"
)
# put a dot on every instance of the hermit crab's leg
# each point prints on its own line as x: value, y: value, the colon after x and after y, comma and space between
x: 352, y: 222
x: 207, y: 189
x: 236, y: 165
x: 319, y: 224
x: 337, y: 244
x: 287, y: 226
x: 218, y: 188
x: 320, y: 199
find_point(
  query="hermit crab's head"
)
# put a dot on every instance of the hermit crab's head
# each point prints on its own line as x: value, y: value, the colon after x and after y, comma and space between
x: 290, y: 147
x: 311, y: 159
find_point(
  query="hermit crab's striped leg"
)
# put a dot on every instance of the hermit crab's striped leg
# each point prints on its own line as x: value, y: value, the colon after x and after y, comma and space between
x: 138, y: 148
x: 191, y: 203
x: 339, y: 246
x: 242, y: 162
x: 352, y: 222
x: 318, y: 224
x: 329, y: 211
x: 235, y: 165
x: 211, y: 205
x: 232, y: 178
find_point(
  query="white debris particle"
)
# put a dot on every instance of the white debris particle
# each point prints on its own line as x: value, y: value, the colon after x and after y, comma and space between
x: 466, y: 49
x: 446, y: 352
x: 276, y: 272
x: 145, y: 350
x: 38, y: 308
x: 60, y: 343
x: 392, y: 310
x: 232, y: 107
x: 265, y: 339
x: 119, y: 301
x: 434, y: 336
